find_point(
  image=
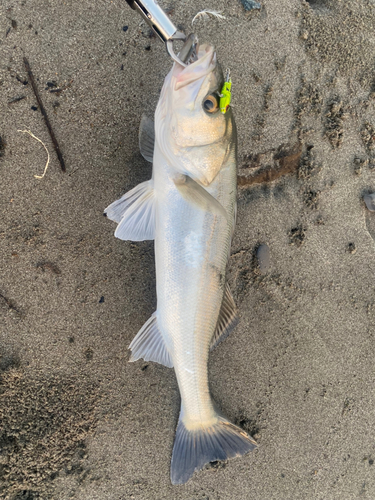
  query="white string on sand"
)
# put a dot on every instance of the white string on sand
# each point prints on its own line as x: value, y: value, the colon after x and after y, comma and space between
x: 206, y: 13
x: 45, y: 147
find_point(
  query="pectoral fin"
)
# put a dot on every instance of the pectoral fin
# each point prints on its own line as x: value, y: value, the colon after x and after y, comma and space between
x: 147, y: 138
x: 195, y: 194
x: 227, y: 320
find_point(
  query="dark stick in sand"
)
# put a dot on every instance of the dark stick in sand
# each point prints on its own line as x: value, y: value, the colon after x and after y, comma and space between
x: 44, y: 113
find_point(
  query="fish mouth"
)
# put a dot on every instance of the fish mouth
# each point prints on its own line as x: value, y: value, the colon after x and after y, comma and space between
x: 189, y: 52
x: 201, y: 61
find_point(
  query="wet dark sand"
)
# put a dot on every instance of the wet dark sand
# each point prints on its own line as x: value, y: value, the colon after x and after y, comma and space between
x: 78, y: 421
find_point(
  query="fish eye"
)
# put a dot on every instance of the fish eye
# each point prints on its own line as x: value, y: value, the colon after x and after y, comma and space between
x: 211, y: 103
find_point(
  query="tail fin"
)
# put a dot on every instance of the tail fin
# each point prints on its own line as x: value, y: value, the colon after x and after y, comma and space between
x: 193, y: 449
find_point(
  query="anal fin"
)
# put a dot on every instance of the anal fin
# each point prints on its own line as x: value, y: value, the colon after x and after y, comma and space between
x: 149, y: 344
x: 227, y: 320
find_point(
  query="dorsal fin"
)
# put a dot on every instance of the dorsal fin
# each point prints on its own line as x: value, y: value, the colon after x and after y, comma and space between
x: 227, y: 320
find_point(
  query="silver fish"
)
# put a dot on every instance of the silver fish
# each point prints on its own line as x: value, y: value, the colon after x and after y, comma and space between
x: 189, y: 209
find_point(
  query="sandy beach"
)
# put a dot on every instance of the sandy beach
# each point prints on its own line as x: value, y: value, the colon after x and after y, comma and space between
x: 77, y: 421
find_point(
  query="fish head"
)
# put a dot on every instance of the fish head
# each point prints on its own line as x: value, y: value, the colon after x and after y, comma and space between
x: 191, y: 130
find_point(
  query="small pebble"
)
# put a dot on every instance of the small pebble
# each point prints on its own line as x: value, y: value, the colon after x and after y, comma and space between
x: 250, y: 4
x: 89, y: 354
x: 263, y: 257
x: 369, y: 199
x: 352, y: 248
x: 125, y: 28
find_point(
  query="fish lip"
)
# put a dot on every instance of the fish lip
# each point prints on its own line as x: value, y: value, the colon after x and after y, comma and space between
x: 187, y: 75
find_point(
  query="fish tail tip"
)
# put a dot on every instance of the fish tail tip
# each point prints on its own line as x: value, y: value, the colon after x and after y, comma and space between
x: 194, y: 449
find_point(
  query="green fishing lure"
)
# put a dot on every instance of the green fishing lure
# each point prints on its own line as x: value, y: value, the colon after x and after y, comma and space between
x: 226, y: 94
